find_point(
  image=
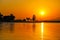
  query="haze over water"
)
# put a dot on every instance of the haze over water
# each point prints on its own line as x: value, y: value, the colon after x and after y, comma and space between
x: 30, y: 31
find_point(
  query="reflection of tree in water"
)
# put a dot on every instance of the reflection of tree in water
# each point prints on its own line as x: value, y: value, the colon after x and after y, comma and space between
x: 0, y: 26
x: 11, y: 27
x: 7, y: 26
x: 33, y: 27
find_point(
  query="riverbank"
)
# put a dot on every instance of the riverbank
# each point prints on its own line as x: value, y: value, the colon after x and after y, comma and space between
x: 33, y: 22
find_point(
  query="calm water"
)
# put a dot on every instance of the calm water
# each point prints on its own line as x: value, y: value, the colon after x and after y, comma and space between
x: 30, y: 31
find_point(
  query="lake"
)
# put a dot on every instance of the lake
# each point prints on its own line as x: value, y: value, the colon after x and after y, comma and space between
x: 30, y: 31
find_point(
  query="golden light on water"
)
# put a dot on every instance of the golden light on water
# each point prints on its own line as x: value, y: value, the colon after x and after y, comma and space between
x: 42, y: 27
x: 42, y: 30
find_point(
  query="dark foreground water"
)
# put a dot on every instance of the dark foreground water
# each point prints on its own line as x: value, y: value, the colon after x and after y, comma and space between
x: 30, y: 31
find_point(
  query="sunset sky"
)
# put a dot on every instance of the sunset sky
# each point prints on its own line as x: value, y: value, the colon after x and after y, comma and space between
x: 26, y: 8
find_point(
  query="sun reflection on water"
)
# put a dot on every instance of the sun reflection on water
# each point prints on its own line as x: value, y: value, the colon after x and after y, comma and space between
x: 42, y: 30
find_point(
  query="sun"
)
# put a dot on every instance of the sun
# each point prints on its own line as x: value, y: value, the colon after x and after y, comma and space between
x: 42, y: 13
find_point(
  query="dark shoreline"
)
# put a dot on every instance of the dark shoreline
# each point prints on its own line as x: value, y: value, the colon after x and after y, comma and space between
x: 33, y: 22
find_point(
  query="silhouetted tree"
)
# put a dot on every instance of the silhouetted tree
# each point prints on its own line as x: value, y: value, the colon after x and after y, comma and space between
x: 34, y: 18
x: 6, y: 18
x: 12, y: 17
x: 1, y: 17
x: 9, y: 18
x: 28, y: 19
x: 24, y: 20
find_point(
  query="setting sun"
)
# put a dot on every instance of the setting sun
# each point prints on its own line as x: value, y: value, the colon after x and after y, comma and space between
x: 42, y: 13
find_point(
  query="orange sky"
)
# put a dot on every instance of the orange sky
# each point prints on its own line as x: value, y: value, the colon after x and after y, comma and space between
x: 26, y: 8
